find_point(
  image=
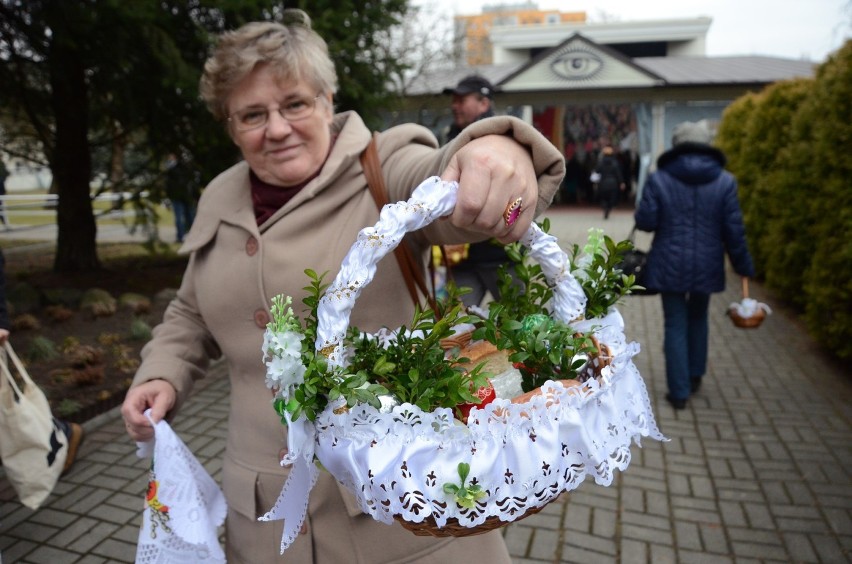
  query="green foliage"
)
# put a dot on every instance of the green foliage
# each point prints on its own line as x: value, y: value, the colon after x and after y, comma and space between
x: 68, y: 407
x: 41, y: 348
x: 412, y: 369
x: 544, y: 348
x: 731, y: 136
x: 464, y: 495
x: 596, y: 269
x: 139, y: 330
x: 357, y: 37
x: 787, y: 147
x: 760, y: 166
x: 827, y: 116
x: 107, y: 88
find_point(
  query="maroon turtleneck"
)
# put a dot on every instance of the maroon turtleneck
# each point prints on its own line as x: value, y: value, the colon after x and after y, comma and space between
x: 268, y: 199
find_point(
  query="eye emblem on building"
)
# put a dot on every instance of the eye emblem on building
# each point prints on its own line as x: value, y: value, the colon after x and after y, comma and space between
x: 576, y: 65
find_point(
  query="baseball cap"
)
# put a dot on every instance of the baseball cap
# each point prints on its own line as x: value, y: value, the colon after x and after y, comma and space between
x: 471, y: 84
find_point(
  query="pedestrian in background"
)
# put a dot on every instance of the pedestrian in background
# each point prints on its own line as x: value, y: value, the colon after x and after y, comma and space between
x: 690, y: 204
x: 182, y: 190
x: 610, y: 181
x: 4, y: 174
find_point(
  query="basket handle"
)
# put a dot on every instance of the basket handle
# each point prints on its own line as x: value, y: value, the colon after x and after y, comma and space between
x: 433, y: 199
x: 745, y: 287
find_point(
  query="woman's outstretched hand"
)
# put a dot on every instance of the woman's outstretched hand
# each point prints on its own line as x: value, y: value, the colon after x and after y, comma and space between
x: 498, y: 189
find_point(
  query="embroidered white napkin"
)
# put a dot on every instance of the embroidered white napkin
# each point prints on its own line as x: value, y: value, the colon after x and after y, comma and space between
x: 183, y: 507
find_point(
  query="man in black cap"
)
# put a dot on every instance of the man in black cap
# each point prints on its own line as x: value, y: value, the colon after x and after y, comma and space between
x: 477, y: 268
x: 471, y: 102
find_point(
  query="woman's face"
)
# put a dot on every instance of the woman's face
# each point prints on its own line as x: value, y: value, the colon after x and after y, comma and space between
x: 282, y: 152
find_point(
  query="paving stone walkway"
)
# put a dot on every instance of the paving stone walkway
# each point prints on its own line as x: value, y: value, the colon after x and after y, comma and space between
x: 757, y: 468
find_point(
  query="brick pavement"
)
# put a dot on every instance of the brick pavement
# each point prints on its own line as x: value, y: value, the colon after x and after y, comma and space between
x: 756, y: 469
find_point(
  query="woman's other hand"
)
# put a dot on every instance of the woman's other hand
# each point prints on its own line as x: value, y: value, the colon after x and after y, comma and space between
x: 158, y: 395
x: 493, y: 172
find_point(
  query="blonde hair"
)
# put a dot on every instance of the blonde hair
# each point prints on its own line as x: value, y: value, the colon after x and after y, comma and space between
x: 293, y: 50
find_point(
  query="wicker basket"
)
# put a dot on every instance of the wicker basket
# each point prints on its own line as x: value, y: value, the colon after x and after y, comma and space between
x: 746, y: 322
x: 429, y: 528
x: 396, y: 463
x: 458, y: 340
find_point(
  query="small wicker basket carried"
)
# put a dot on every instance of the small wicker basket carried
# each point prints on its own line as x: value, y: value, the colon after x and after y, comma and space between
x: 521, y: 455
x: 752, y: 321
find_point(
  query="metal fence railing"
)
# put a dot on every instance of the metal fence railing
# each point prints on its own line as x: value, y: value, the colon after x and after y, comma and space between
x: 21, y: 209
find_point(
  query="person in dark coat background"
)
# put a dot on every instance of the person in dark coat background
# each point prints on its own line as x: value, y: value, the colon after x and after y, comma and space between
x: 610, y: 182
x: 690, y: 203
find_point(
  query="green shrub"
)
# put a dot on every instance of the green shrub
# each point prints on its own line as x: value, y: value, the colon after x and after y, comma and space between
x: 68, y: 407
x: 789, y: 148
x: 827, y: 117
x: 98, y: 302
x: 140, y: 330
x: 42, y: 348
x: 782, y: 192
x: 755, y: 135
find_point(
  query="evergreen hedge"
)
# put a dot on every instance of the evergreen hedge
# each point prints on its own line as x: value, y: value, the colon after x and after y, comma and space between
x: 789, y: 147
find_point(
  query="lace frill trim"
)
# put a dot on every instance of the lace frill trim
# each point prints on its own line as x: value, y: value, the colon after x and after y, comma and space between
x: 526, y: 455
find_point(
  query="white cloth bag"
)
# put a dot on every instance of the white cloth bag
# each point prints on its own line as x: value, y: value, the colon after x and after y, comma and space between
x: 32, y: 445
x: 184, y: 506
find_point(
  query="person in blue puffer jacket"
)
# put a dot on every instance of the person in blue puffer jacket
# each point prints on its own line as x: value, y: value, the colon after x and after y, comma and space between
x: 690, y: 203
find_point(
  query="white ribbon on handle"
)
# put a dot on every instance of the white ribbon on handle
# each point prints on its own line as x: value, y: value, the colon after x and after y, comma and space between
x: 431, y: 200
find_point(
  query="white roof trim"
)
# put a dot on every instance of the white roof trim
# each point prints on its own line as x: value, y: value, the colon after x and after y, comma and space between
x: 532, y: 36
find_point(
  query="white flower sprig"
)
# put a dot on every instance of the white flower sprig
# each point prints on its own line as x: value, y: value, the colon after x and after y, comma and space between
x: 282, y: 348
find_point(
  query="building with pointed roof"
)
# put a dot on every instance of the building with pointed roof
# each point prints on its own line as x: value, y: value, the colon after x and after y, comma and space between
x: 586, y: 85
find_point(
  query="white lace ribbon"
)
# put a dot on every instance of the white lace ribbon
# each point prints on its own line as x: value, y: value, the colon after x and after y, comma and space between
x: 432, y: 199
x: 292, y: 502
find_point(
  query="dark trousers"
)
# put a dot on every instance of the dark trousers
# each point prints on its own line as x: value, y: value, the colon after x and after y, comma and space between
x: 184, y: 216
x: 685, y: 339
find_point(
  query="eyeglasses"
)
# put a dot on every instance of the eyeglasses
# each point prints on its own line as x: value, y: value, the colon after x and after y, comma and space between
x: 254, y: 118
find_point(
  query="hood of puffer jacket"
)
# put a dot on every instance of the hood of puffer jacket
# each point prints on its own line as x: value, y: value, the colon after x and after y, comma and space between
x: 693, y: 163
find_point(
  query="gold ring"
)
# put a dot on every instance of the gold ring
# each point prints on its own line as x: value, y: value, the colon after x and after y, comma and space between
x: 513, y: 212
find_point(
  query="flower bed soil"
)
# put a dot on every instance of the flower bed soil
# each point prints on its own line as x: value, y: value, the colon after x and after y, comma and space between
x: 79, y: 395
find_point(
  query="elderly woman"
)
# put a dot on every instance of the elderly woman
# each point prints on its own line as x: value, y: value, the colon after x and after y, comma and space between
x: 297, y: 201
x: 690, y: 203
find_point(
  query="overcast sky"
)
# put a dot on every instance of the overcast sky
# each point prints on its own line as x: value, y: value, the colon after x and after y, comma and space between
x: 796, y: 29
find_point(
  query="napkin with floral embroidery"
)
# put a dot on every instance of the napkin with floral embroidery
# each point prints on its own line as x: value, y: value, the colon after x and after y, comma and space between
x: 184, y: 506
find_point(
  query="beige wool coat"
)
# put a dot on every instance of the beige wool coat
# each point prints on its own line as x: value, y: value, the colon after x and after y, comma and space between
x: 222, y: 308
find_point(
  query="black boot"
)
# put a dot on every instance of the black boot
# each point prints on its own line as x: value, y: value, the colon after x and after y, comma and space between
x: 695, y: 384
x: 676, y: 403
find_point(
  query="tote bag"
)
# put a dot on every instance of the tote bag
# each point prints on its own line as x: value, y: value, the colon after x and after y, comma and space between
x: 32, y: 446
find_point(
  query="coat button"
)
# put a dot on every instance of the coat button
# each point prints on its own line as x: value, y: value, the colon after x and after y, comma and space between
x: 261, y: 318
x: 251, y: 246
